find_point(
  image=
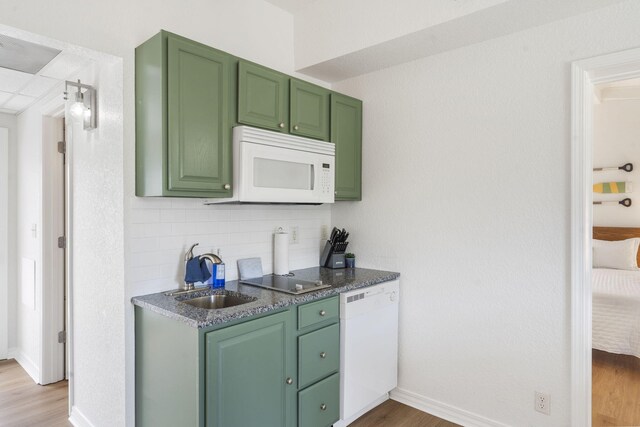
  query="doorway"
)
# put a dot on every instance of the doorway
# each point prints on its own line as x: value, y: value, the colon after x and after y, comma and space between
x: 585, y: 75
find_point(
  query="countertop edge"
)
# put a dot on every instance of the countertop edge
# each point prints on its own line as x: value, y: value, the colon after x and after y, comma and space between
x: 256, y: 310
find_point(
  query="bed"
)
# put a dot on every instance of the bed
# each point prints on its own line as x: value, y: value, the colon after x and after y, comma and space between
x: 616, y: 301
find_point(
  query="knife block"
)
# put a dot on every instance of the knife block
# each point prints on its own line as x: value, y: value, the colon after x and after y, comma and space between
x: 336, y: 261
x: 331, y: 259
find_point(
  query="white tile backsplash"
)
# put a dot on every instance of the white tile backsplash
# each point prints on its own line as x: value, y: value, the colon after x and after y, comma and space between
x: 163, y: 229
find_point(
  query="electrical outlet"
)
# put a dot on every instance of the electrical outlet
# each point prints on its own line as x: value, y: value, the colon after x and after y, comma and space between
x: 324, y: 231
x: 542, y: 402
x: 295, y: 236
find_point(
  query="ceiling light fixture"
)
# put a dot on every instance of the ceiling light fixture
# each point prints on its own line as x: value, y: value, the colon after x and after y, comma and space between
x: 84, y: 105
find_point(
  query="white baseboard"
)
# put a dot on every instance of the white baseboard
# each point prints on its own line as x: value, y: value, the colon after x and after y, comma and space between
x: 443, y: 410
x: 78, y: 419
x: 26, y: 363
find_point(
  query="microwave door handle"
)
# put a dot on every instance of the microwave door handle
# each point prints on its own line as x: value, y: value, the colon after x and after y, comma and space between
x: 313, y: 177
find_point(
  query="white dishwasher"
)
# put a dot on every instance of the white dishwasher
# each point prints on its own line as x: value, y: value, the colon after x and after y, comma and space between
x: 368, y: 348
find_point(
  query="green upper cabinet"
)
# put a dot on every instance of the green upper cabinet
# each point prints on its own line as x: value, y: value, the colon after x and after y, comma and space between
x: 183, y: 120
x: 346, y: 134
x: 250, y: 374
x: 309, y: 110
x: 188, y: 98
x: 263, y: 97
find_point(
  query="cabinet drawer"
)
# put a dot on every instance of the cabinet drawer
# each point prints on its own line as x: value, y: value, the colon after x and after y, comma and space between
x: 319, y: 405
x: 318, y: 311
x: 318, y: 354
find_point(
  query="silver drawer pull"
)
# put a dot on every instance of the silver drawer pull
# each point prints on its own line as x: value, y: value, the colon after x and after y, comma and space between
x: 289, y: 381
x: 322, y: 312
x: 323, y: 355
x: 323, y: 407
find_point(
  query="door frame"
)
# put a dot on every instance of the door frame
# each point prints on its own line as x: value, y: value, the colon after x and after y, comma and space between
x: 53, y: 308
x: 4, y: 241
x: 585, y: 74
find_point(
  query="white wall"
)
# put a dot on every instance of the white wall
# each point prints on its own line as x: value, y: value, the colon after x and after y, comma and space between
x: 9, y: 122
x: 616, y: 137
x: 163, y: 230
x: 97, y: 251
x: 466, y: 192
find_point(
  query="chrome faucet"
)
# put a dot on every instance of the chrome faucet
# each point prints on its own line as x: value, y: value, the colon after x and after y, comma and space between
x: 212, y: 258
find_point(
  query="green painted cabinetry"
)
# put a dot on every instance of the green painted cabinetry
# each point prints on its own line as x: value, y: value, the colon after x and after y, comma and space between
x: 272, y: 100
x: 247, y: 368
x: 263, y: 97
x: 309, y: 110
x: 188, y: 98
x: 184, y: 116
x: 267, y: 370
x: 346, y: 134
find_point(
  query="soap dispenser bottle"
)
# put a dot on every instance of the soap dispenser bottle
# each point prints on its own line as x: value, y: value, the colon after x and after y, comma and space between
x: 218, y: 275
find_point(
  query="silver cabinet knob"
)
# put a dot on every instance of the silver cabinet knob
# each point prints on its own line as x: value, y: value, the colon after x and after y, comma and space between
x: 227, y: 187
x: 296, y: 127
x: 281, y: 125
x: 289, y: 381
x: 335, y: 192
x: 323, y: 355
x: 322, y: 313
x: 323, y: 407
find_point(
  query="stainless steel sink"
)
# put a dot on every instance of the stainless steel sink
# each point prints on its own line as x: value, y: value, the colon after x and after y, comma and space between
x: 219, y: 300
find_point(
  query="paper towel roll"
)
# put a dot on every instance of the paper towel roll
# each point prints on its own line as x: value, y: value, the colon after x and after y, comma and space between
x: 280, y: 253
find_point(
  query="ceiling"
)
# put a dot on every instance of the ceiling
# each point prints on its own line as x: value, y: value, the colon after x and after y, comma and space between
x: 19, y: 89
x: 291, y: 6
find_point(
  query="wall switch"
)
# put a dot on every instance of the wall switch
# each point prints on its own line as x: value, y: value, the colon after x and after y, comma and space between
x: 542, y: 402
x: 294, y: 236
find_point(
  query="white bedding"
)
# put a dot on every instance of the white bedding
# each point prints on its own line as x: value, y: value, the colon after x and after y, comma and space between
x: 616, y: 311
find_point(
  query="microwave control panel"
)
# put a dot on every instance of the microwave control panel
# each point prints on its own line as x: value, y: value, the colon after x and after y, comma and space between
x: 326, y: 177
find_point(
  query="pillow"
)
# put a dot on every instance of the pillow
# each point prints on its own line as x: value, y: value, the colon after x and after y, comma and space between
x: 619, y: 254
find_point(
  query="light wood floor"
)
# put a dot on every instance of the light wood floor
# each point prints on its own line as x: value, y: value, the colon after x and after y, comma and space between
x: 24, y: 403
x: 616, y: 390
x: 396, y: 414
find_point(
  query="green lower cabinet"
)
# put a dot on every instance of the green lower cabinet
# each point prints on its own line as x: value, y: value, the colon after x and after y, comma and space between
x: 318, y: 354
x: 319, y: 405
x: 346, y: 134
x: 247, y: 368
x: 242, y: 375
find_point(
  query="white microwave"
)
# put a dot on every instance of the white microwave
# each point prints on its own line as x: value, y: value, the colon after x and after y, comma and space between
x: 273, y: 167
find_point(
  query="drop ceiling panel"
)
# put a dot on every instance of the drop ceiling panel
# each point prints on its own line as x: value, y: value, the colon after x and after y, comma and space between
x: 19, y: 102
x: 24, y: 56
x: 13, y: 81
x: 38, y: 86
x: 63, y: 66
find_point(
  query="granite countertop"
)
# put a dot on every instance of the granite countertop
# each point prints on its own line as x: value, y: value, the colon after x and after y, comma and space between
x: 340, y: 280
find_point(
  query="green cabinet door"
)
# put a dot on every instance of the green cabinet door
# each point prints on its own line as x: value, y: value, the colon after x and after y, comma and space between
x: 247, y: 367
x: 309, y: 110
x: 199, y: 129
x: 263, y: 97
x: 346, y: 134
